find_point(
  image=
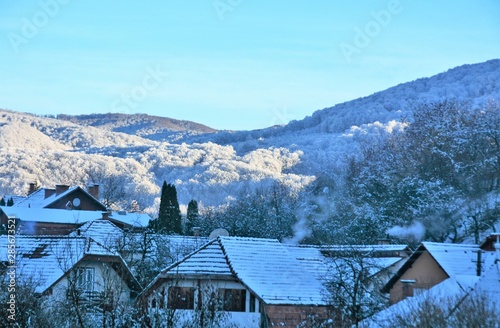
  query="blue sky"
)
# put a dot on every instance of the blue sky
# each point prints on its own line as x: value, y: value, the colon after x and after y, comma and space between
x: 229, y: 64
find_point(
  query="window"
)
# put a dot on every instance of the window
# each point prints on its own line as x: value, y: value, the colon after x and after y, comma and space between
x: 85, y: 278
x: 252, y: 303
x: 233, y: 299
x: 181, y: 298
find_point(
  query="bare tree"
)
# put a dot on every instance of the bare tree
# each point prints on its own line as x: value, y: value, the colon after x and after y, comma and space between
x: 112, y: 187
x: 355, y: 278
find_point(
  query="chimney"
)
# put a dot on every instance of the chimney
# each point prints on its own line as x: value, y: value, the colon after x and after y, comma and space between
x: 94, y: 191
x: 61, y: 188
x: 383, y: 241
x: 106, y: 214
x: 32, y: 188
x: 196, y: 231
x: 49, y: 192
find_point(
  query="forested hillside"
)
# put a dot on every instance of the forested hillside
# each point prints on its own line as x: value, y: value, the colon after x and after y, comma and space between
x: 143, y: 125
x: 420, y: 160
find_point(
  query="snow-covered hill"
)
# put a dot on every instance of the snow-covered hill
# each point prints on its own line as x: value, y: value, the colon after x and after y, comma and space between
x: 216, y: 166
x: 143, y: 125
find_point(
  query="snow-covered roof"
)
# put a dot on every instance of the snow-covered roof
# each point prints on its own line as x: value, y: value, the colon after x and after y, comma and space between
x: 455, y: 259
x: 320, y: 260
x: 37, y: 198
x: 46, y: 259
x: 208, y: 260
x: 132, y: 219
x: 50, y: 214
x: 271, y: 271
x: 310, y: 258
x: 371, y: 249
x: 265, y: 266
x: 73, y: 216
x: 102, y: 231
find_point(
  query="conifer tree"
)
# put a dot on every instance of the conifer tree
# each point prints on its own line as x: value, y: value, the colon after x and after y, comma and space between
x: 10, y: 202
x: 2, y: 202
x: 192, y: 216
x: 169, y: 215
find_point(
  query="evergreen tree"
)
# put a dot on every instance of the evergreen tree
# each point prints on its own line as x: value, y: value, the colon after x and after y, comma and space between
x: 169, y: 215
x: 10, y: 202
x: 2, y: 202
x: 192, y: 216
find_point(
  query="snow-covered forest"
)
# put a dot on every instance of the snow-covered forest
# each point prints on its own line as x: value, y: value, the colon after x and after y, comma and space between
x: 420, y: 160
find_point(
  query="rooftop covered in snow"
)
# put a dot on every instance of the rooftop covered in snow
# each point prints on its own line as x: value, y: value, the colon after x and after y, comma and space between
x: 67, y: 216
x: 265, y: 266
x: 47, y: 259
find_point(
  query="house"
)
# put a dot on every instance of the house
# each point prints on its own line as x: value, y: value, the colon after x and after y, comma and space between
x: 136, y: 247
x: 62, y: 197
x: 433, y: 263
x: 61, y: 268
x: 465, y: 299
x: 49, y: 221
x: 250, y: 280
x: 64, y: 209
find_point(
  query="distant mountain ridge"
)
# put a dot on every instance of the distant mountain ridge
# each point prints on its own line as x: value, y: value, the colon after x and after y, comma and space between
x: 216, y: 166
x: 477, y: 83
x: 142, y: 125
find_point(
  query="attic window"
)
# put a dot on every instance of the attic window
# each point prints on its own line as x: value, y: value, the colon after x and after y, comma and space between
x: 37, y: 253
x: 408, y: 288
x: 233, y: 299
x: 85, y: 278
x: 181, y: 298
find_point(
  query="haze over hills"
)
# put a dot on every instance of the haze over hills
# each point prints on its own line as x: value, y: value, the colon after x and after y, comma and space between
x: 216, y: 166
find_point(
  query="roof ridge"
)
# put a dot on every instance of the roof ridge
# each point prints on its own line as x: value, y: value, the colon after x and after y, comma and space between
x: 449, y: 244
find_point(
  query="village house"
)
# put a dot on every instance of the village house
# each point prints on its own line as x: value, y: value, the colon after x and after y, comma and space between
x: 77, y: 269
x: 62, y: 197
x: 47, y: 221
x: 432, y: 263
x: 250, y: 280
x: 136, y: 247
x: 259, y: 282
x: 64, y: 209
x: 466, y: 282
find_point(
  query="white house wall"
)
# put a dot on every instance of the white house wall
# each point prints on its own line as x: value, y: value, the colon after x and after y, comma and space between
x: 240, y: 319
x: 104, y: 277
